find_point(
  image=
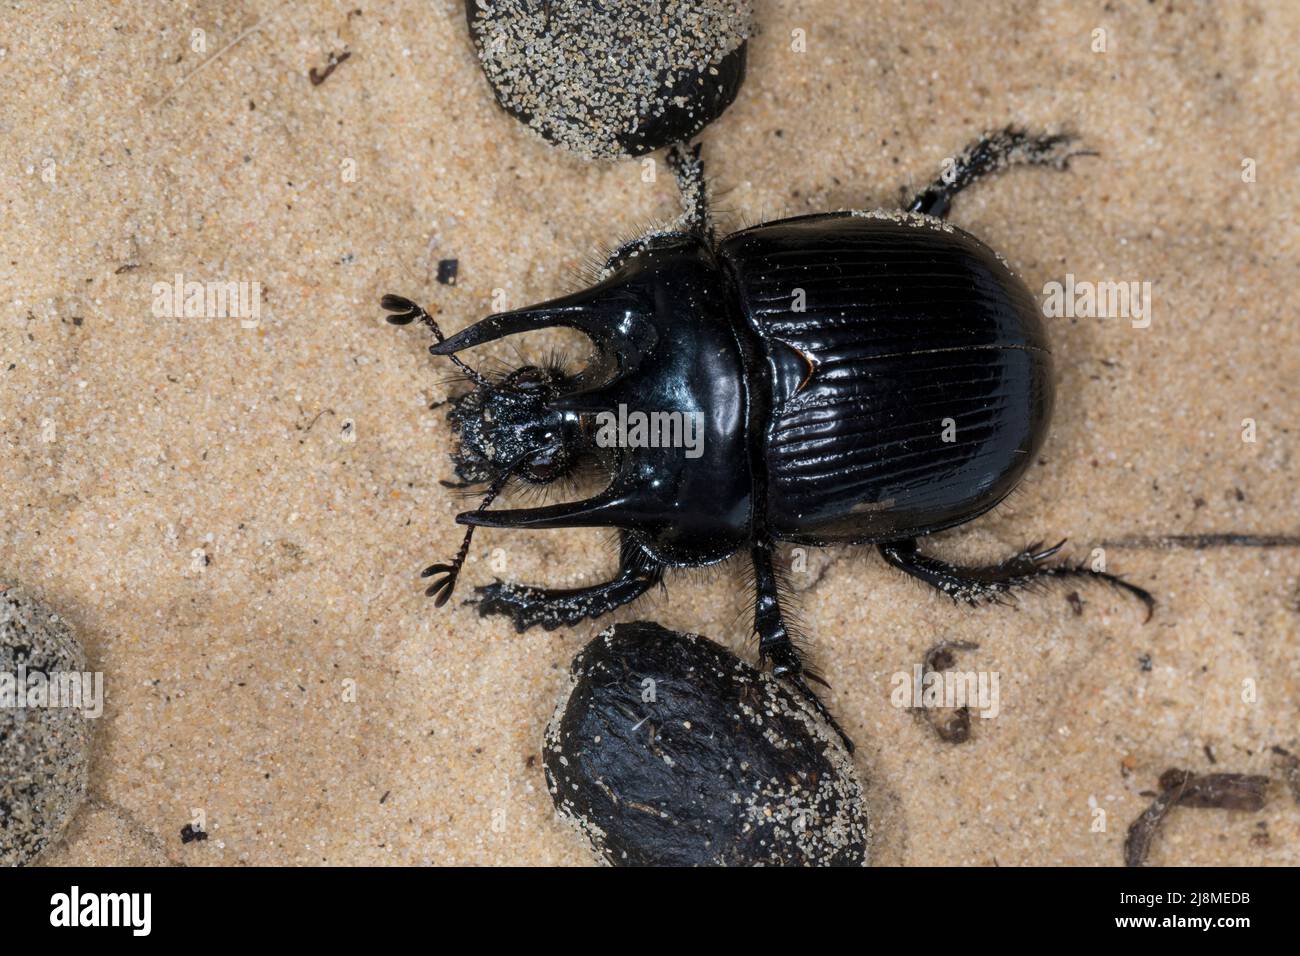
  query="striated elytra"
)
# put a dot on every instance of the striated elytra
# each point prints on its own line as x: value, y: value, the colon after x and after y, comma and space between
x: 668, y: 750
x: 843, y: 378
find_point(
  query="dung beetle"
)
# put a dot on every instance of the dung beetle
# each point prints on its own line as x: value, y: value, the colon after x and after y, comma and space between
x: 858, y: 378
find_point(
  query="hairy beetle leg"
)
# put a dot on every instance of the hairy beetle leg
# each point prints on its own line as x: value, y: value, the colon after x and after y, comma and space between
x: 989, y: 582
x: 799, y: 680
x: 688, y: 170
x: 990, y: 154
x: 787, y: 666
x: 530, y: 606
x: 775, y: 645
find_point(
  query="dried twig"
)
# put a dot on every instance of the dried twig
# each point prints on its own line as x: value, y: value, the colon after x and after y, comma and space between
x: 1215, y: 791
x: 256, y: 25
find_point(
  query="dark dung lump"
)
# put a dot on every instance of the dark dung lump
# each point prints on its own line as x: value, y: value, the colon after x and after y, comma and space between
x: 670, y: 750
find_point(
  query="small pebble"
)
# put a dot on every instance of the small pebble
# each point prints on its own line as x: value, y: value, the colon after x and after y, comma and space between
x: 669, y: 750
x: 44, y: 750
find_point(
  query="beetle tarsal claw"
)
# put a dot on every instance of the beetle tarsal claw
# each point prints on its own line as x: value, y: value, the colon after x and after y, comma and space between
x: 796, y: 679
x: 1038, y: 553
x: 816, y: 678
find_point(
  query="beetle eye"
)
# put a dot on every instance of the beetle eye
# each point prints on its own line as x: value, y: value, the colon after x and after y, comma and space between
x: 545, y: 466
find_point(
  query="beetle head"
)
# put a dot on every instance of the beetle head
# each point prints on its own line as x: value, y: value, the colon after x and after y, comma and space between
x: 538, y: 424
x: 534, y: 420
x: 649, y: 289
x: 511, y: 426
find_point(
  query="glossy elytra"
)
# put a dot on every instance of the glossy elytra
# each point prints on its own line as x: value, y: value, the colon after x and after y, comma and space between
x: 859, y: 378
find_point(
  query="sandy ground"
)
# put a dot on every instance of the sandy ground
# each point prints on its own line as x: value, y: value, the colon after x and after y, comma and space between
x: 242, y: 565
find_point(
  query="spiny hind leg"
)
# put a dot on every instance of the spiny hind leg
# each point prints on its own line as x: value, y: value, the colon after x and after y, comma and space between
x: 992, y: 153
x: 775, y: 643
x: 990, y: 582
x: 529, y: 606
x: 688, y: 170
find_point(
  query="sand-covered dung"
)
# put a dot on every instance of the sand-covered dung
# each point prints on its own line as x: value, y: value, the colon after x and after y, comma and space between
x: 599, y: 76
x: 667, y: 750
x: 232, y: 511
x: 44, y: 739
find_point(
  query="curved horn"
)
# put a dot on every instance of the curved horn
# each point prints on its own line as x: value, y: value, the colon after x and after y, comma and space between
x: 610, y: 508
x: 612, y: 318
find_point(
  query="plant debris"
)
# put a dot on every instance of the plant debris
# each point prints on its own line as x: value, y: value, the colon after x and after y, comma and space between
x: 1199, y: 542
x: 336, y: 59
x: 1289, y: 763
x: 1216, y: 791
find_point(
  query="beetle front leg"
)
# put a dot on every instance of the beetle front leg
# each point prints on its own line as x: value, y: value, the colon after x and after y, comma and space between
x: 975, y: 585
x: 529, y: 606
x: 992, y: 153
x: 775, y: 643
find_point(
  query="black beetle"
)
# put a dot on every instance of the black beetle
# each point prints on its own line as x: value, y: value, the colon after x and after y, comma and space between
x: 859, y: 378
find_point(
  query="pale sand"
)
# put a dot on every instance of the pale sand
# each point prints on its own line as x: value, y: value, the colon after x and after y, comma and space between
x: 225, y: 681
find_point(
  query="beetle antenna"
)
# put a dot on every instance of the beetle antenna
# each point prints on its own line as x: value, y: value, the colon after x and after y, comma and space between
x: 405, y: 311
x: 441, y: 589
